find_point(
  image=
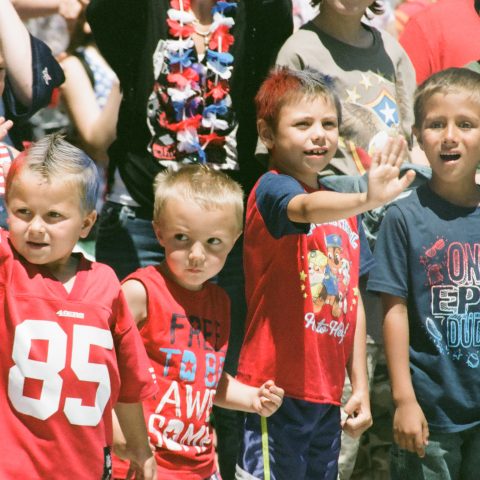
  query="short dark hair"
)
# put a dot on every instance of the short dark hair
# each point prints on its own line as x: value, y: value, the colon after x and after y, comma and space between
x: 375, y: 7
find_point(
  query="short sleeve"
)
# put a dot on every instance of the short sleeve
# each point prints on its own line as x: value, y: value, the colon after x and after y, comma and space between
x: 47, y: 75
x: 367, y: 261
x: 136, y: 374
x: 272, y: 197
x: 390, y: 274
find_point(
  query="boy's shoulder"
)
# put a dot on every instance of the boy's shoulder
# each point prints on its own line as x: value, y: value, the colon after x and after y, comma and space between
x: 152, y: 276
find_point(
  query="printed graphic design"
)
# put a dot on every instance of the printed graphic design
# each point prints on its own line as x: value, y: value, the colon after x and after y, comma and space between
x: 386, y: 108
x: 194, y: 363
x: 329, y: 277
x: 453, y: 278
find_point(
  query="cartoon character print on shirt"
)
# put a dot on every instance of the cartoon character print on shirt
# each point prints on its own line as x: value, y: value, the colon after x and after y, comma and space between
x: 453, y: 277
x: 326, y: 272
x: 329, y: 281
x: 190, y: 367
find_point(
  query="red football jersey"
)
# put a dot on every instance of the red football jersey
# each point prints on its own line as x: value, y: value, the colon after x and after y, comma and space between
x: 66, y: 358
x: 186, y: 336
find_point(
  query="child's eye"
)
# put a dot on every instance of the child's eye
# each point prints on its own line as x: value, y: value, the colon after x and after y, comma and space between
x: 302, y: 124
x: 181, y: 237
x: 466, y: 125
x: 54, y: 215
x: 330, y: 125
x: 214, y: 241
x: 436, y: 125
x: 23, y: 211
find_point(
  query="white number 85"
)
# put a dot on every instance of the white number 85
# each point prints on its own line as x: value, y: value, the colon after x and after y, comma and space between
x: 48, y: 371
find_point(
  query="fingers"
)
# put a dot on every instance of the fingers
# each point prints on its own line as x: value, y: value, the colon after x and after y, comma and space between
x: 394, y: 151
x: 413, y: 442
x: 407, y: 179
x: 5, y: 126
x: 271, y: 397
x: 354, y: 426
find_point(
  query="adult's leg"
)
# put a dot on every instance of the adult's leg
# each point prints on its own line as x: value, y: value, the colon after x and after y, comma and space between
x: 228, y: 423
x: 124, y: 241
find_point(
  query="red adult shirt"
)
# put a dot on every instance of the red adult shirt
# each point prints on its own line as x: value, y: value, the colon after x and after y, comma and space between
x: 445, y: 34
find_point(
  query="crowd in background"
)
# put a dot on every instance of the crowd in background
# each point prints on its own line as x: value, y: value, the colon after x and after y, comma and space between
x: 112, y: 96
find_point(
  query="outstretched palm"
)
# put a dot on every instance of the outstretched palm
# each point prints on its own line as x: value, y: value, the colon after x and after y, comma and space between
x: 384, y: 183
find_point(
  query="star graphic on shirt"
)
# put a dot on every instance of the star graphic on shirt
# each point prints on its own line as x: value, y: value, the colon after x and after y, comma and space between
x: 352, y: 95
x: 303, y: 276
x: 189, y: 366
x: 380, y: 77
x: 356, y: 291
x: 389, y: 114
x: 365, y: 81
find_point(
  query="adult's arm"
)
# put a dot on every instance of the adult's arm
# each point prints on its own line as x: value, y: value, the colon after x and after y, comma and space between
x: 95, y: 125
x: 16, y: 51
x: 69, y: 9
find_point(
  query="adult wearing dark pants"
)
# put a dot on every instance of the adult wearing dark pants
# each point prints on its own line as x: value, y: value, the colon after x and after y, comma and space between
x: 131, y: 36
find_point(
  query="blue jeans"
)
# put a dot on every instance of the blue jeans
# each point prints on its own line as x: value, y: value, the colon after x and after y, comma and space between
x: 126, y: 241
x: 449, y: 456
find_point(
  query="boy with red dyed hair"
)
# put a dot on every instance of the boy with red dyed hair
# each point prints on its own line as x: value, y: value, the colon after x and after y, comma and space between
x: 304, y: 250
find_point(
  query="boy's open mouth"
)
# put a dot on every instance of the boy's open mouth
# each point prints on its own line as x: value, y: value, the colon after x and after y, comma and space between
x: 449, y: 157
x: 317, y: 151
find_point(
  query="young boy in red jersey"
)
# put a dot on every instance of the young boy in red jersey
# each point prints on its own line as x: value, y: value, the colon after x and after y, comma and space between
x: 70, y: 350
x: 304, y: 251
x: 184, y: 321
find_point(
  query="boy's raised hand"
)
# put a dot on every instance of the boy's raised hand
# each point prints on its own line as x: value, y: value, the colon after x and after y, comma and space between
x: 268, y: 400
x: 384, y: 183
x: 410, y: 428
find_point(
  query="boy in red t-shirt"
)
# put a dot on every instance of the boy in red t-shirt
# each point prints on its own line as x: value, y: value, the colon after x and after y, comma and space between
x: 70, y: 350
x: 303, y: 255
x: 184, y: 321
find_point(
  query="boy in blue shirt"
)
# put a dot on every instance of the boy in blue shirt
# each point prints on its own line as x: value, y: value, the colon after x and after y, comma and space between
x: 428, y: 274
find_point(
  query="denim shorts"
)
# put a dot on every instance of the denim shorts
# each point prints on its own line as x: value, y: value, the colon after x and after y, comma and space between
x: 448, y: 456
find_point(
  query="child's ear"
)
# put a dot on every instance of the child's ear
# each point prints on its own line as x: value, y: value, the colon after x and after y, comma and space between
x: 88, y: 223
x: 158, y: 233
x: 265, y: 133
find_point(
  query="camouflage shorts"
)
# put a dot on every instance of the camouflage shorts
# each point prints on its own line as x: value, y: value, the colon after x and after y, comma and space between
x: 367, y: 458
